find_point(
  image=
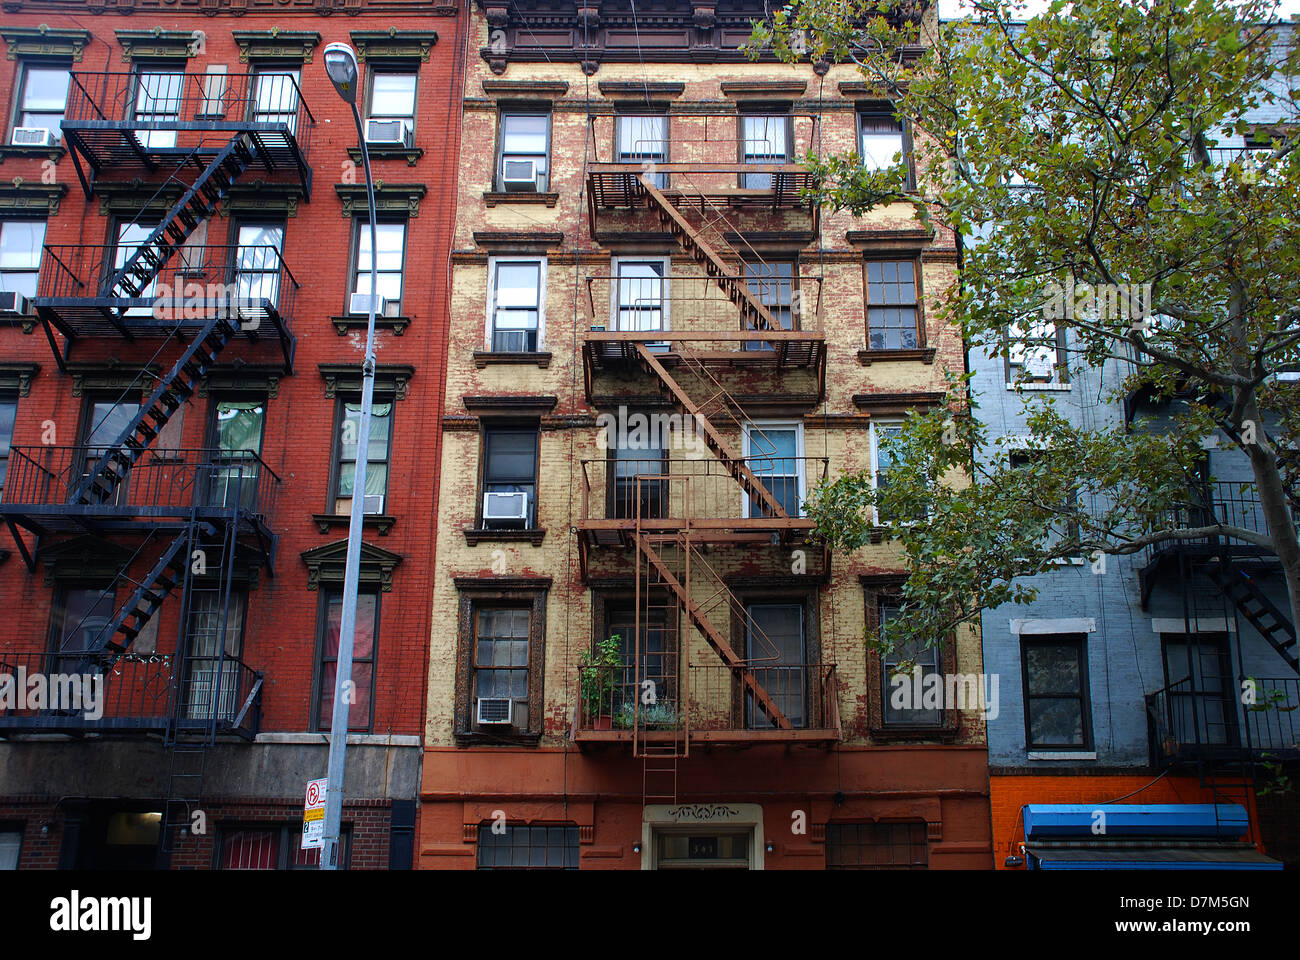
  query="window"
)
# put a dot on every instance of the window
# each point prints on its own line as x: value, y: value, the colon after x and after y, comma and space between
x: 1056, y: 691
x: 1023, y: 460
x: 211, y: 684
x: 8, y: 415
x: 43, y: 97
x: 880, y: 138
x: 892, y: 317
x: 515, y: 313
x: 130, y: 236
x: 79, y: 618
x: 644, y: 140
x: 632, y: 497
x: 390, y: 239
x: 275, y: 97
x: 500, y: 653
x: 11, y: 845
x: 876, y: 846
x: 640, y: 295
x: 1201, y: 703
x: 658, y: 657
x: 363, y: 659
x: 773, y: 284
x: 509, y: 478
x: 530, y: 847
x: 105, y: 422
x: 380, y: 447
x: 774, y: 454
x: 1036, y: 353
x: 392, y: 97
x: 774, y: 637
x: 882, y: 458
x: 525, y: 149
x: 158, y: 94
x: 273, y: 848
x: 763, y: 139
x: 899, y: 704
x: 21, y: 245
x: 501, y: 641
x: 257, y: 262
x: 237, y: 443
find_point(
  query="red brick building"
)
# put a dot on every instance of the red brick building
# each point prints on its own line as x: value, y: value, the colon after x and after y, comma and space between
x: 180, y: 348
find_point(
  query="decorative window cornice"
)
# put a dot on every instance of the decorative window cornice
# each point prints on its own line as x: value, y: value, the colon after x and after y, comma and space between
x: 242, y: 377
x: 112, y: 376
x: 158, y: 43
x: 391, y: 379
x: 902, y: 243
x: 130, y: 198
x: 276, y: 44
x: 326, y: 564
x: 44, y: 41
x: 499, y: 406
x: 763, y: 89
x: 523, y: 241
x: 885, y: 404
x: 43, y: 199
x: 390, y: 198
x: 640, y: 90
x: 543, y: 91
x: 17, y: 377
x: 84, y: 559
x: 257, y: 195
x: 393, y: 44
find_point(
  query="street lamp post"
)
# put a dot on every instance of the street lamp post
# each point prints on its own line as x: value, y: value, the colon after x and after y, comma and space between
x: 341, y: 65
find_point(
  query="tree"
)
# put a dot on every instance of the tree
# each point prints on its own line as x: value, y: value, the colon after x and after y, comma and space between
x: 1079, y: 147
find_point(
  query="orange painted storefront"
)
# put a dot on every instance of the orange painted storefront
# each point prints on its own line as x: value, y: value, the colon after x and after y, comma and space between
x: 1008, y: 794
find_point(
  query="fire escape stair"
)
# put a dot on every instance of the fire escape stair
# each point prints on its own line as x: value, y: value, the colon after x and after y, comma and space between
x: 1260, y: 612
x: 197, y: 204
x: 712, y: 635
x: 100, y: 485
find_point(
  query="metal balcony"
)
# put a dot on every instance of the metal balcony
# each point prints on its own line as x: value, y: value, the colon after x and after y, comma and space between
x: 251, y: 286
x: 147, y: 693
x: 128, y: 125
x: 1189, y: 725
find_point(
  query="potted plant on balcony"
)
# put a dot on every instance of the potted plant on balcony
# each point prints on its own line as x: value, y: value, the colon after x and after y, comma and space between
x: 596, y: 678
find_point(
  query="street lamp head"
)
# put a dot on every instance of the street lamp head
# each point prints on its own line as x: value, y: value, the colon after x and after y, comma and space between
x: 341, y: 65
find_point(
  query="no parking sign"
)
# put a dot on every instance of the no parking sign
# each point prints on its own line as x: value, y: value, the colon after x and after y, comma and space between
x: 313, y: 815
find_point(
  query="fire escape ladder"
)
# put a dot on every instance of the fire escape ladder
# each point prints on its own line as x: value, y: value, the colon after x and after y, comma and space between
x: 197, y: 204
x: 735, y: 464
x: 714, y: 637
x: 100, y: 485
x: 1260, y: 612
x: 752, y: 310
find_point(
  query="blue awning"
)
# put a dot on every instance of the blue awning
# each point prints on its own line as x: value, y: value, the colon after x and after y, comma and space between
x: 1100, y: 857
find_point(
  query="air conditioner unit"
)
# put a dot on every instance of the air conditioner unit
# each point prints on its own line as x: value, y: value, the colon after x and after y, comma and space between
x: 1039, y: 367
x: 33, y: 137
x: 505, y: 509
x: 373, y: 503
x: 495, y: 710
x: 519, y: 176
x: 388, y: 133
x: 510, y: 341
x: 359, y: 303
x: 14, y: 304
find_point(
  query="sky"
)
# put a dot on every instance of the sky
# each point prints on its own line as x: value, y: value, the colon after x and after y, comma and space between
x: 954, y: 8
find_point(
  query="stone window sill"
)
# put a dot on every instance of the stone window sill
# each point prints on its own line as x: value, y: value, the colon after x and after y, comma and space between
x: 1041, y: 387
x: 353, y: 322
x: 924, y: 354
x: 18, y: 151
x: 496, y: 197
x: 483, y: 358
x: 409, y: 154
x: 474, y: 536
x: 382, y: 522
x: 1062, y: 754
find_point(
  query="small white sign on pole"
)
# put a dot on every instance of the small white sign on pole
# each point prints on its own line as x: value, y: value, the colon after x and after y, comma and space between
x: 313, y: 815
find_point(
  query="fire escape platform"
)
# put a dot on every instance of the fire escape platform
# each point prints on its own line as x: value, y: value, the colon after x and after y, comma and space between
x: 586, y: 737
x: 616, y: 186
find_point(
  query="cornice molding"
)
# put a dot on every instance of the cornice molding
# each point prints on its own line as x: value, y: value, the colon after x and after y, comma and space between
x: 158, y: 44
x: 17, y: 377
x: 276, y: 44
x: 402, y: 198
x: 345, y: 378
x: 18, y: 196
x: 44, y: 41
x: 326, y: 564
x: 393, y: 44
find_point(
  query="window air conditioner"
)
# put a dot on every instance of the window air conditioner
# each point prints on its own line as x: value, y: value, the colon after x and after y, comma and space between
x: 33, y: 137
x: 14, y: 304
x: 505, y: 509
x: 510, y: 341
x: 519, y: 176
x: 359, y: 303
x: 387, y: 133
x: 495, y: 710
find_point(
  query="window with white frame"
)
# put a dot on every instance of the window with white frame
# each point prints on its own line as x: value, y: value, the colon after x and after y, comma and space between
x: 640, y: 294
x: 390, y: 240
x: 42, y: 99
x: 21, y: 243
x: 515, y: 305
x: 1036, y: 352
x: 774, y: 454
x: 392, y: 97
x: 525, y: 149
x: 644, y: 140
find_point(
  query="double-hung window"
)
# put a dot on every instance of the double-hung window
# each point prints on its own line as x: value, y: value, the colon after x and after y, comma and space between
x: 275, y: 96
x: 903, y: 702
x: 775, y: 640
x: 8, y: 416
x: 637, y: 490
x: 392, y: 98
x: 774, y: 454
x: 515, y: 305
x: 42, y: 99
x: 380, y: 449
x: 525, y: 151
x: 509, y: 478
x: 764, y: 139
x: 640, y: 293
x: 881, y: 140
x: 1036, y: 352
x: 363, y: 660
x: 892, y: 315
x: 1056, y: 691
x: 501, y: 642
x: 130, y: 236
x: 21, y: 244
x: 212, y: 679
x: 257, y: 264
x: 158, y: 95
x: 390, y: 241
x: 772, y: 283
x: 643, y: 140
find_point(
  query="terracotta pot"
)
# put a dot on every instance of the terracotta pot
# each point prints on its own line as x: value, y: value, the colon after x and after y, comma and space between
x: 604, y: 722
